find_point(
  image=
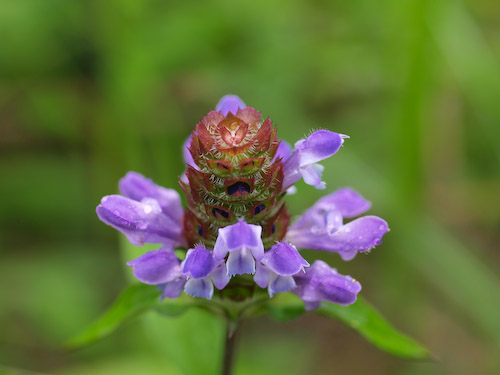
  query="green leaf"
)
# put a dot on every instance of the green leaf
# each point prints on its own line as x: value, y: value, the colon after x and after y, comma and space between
x: 365, y: 319
x: 132, y: 302
x: 285, y: 307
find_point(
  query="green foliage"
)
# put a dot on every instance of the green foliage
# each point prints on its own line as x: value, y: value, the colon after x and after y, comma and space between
x: 363, y: 318
x: 90, y: 92
x: 360, y: 316
x: 187, y: 332
x: 132, y: 302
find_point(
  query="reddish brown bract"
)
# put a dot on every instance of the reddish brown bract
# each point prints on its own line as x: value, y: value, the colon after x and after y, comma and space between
x: 236, y: 176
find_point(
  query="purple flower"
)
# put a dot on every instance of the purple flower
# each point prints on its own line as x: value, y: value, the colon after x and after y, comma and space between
x: 162, y: 268
x: 318, y: 146
x: 203, y: 272
x: 137, y: 187
x: 243, y: 172
x: 156, y: 267
x: 322, y: 283
x: 244, y: 244
x: 142, y: 222
x: 284, y: 151
x: 277, y: 266
x: 321, y: 227
x: 174, y: 288
x: 230, y: 103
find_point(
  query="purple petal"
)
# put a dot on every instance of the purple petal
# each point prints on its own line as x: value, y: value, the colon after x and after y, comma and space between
x: 220, y: 277
x: 156, y: 267
x: 318, y: 146
x: 137, y: 187
x: 322, y: 283
x: 142, y: 222
x: 173, y: 289
x: 262, y: 275
x: 291, y: 171
x: 240, y: 262
x: 316, y: 221
x: 284, y: 259
x: 281, y: 284
x: 346, y: 201
x: 237, y: 237
x: 359, y: 235
x: 230, y: 103
x: 284, y: 151
x: 328, y: 212
x: 200, y: 288
x: 199, y: 263
x: 188, y: 158
x: 312, y: 305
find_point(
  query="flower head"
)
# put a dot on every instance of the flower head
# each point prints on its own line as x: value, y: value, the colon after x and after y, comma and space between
x: 236, y: 224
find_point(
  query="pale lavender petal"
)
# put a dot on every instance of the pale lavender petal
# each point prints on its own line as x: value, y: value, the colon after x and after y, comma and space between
x: 137, y: 187
x: 318, y: 146
x: 262, y: 275
x: 312, y: 175
x: 281, y: 284
x: 142, y: 222
x: 322, y: 283
x: 237, y: 237
x: 199, y: 263
x: 230, y: 103
x: 240, y: 262
x: 346, y: 201
x: 200, y: 288
x: 156, y: 267
x: 220, y: 247
x: 316, y: 221
x: 220, y: 277
x: 173, y: 289
x: 284, y: 259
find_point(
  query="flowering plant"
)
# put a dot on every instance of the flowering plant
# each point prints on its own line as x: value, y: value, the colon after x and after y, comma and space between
x: 233, y: 248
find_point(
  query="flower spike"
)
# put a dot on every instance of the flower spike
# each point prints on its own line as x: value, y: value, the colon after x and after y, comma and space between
x: 236, y: 222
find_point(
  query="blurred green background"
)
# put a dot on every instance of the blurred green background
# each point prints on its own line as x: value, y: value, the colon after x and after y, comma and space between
x: 92, y: 89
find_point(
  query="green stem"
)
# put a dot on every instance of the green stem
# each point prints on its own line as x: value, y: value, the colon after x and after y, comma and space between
x: 229, y: 347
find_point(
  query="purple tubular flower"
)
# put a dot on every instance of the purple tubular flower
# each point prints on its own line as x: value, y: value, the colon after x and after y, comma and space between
x: 199, y: 263
x: 322, y: 283
x: 278, y: 266
x: 174, y: 288
x: 137, y: 187
x: 230, y: 103
x: 157, y: 266
x: 142, y: 222
x: 244, y: 244
x: 345, y: 201
x: 321, y: 227
x: 203, y: 272
x: 284, y: 151
x: 318, y: 146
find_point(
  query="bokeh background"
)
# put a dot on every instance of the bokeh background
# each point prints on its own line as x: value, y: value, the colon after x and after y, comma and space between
x: 92, y: 89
